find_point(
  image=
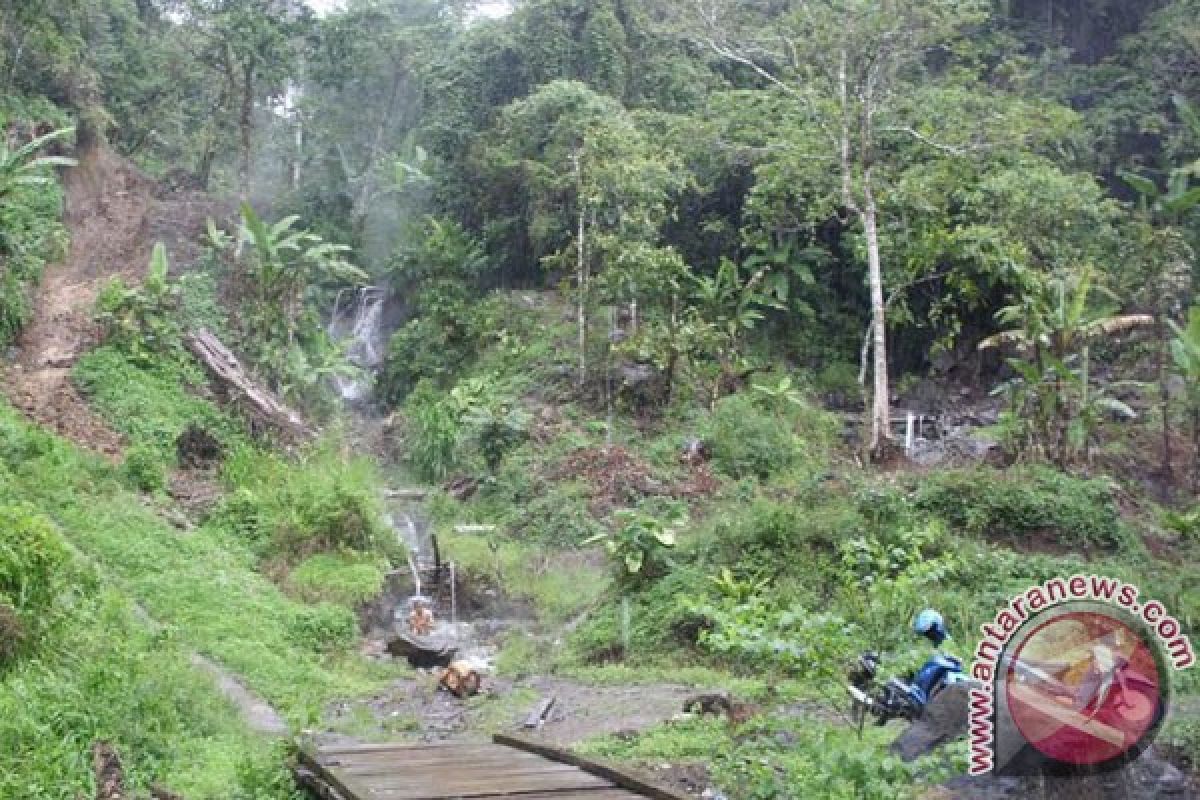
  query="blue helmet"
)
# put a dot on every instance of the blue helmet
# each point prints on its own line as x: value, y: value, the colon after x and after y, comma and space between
x: 929, y: 623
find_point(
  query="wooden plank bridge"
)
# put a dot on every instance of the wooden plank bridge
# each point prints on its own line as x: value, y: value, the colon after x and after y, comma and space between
x: 509, y: 766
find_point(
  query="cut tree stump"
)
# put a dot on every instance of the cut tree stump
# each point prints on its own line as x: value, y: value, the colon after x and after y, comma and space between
x: 261, y: 403
x: 460, y: 680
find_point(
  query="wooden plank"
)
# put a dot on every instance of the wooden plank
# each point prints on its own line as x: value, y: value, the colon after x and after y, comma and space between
x: 437, y: 787
x: 426, y: 756
x: 480, y: 751
x: 396, y: 746
x: 568, y: 794
x: 368, y: 772
x: 492, y: 767
x: 342, y: 784
x: 603, y: 769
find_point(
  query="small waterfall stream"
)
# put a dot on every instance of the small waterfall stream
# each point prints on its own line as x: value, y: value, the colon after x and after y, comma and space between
x: 357, y: 323
x: 357, y: 319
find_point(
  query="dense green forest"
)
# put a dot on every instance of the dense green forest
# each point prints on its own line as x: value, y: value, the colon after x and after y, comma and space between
x: 656, y: 303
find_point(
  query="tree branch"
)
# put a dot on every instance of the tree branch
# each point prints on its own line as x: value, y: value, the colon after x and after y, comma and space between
x: 729, y: 52
x: 920, y: 137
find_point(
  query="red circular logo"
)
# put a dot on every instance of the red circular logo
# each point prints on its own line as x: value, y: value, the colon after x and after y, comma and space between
x: 1084, y: 688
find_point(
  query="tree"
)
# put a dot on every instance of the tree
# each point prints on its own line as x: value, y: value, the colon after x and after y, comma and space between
x: 252, y: 48
x: 850, y: 67
x: 591, y: 183
x: 1164, y: 278
x: 275, y: 271
x: 362, y: 99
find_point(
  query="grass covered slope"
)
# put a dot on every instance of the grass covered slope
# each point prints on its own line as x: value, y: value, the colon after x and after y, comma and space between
x: 85, y: 667
x: 201, y: 584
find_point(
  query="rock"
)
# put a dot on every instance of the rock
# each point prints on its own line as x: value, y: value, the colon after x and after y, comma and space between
x: 944, y: 720
x: 422, y: 653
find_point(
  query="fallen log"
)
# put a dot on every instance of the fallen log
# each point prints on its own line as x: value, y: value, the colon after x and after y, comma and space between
x: 538, y: 715
x: 261, y: 403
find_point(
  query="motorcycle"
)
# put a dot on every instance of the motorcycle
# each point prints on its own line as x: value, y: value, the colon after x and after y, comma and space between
x: 897, y: 698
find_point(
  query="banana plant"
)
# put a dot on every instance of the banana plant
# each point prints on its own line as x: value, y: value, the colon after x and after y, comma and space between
x: 23, y: 167
x: 1053, y: 328
x: 287, y: 260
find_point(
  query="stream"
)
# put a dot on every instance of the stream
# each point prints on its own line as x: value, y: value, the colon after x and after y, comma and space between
x: 428, y: 577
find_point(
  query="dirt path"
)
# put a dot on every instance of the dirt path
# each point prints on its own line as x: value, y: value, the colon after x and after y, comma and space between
x: 107, y: 203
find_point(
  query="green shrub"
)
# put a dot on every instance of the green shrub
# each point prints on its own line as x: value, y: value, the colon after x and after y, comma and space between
x: 30, y: 235
x: 837, y: 384
x: 1018, y: 505
x: 761, y: 434
x: 438, y: 274
x: 316, y: 503
x: 780, y: 536
x: 150, y: 403
x: 144, y: 468
x: 143, y: 321
x: 323, y: 628
x: 433, y: 429
x: 559, y: 516
x: 748, y: 442
x: 1186, y: 523
x: 345, y: 579
x: 242, y: 514
x: 34, y: 577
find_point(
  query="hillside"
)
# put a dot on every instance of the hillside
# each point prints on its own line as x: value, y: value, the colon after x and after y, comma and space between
x: 658, y: 360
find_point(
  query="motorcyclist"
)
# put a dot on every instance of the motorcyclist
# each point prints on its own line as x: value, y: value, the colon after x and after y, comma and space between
x: 940, y: 668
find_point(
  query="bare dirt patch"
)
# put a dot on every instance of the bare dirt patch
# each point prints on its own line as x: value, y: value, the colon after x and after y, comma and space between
x: 415, y: 709
x: 107, y: 201
x: 616, y: 478
x: 114, y: 217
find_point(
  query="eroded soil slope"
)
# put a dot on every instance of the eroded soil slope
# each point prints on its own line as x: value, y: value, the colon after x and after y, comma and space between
x: 114, y: 216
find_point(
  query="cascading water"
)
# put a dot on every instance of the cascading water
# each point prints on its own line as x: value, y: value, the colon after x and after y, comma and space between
x: 358, y: 321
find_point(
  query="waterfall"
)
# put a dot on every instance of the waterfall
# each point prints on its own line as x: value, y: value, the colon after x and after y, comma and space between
x: 358, y: 322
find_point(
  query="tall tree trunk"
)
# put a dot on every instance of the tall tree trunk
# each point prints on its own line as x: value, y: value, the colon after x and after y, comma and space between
x: 246, y: 129
x: 581, y: 276
x: 298, y: 156
x: 205, y: 166
x: 362, y: 203
x: 881, y: 430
